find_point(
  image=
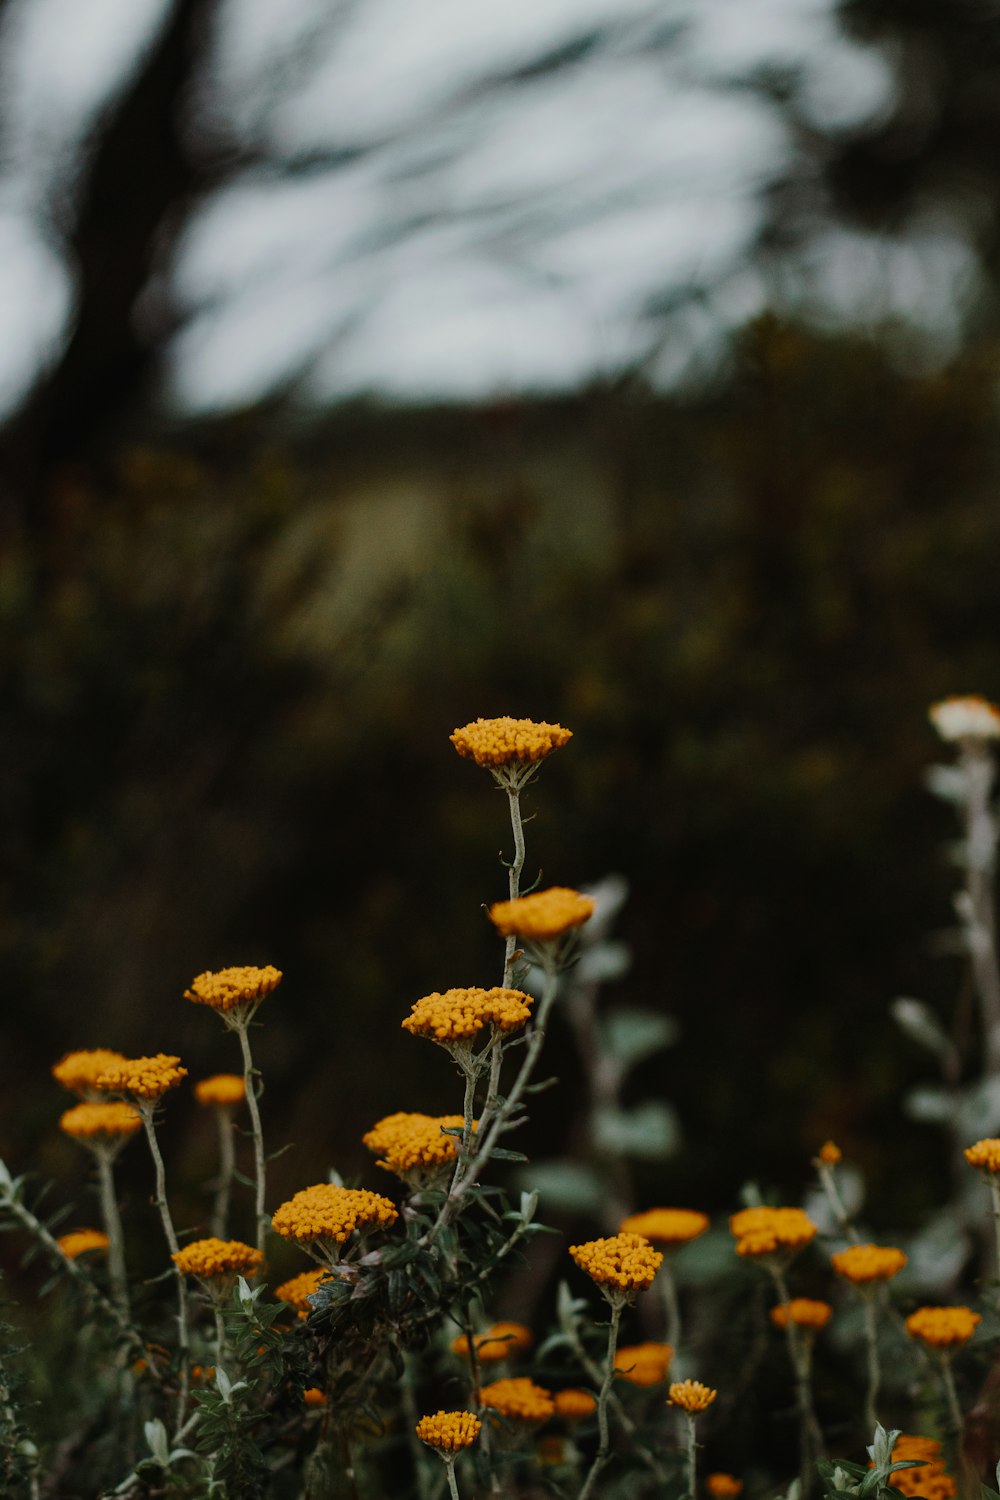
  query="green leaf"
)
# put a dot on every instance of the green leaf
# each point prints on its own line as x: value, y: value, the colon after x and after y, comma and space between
x: 917, y: 1021
x: 631, y: 1034
x: 565, y: 1185
x: 649, y: 1132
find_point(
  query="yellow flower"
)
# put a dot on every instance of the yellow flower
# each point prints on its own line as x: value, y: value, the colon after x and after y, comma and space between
x: 970, y: 718
x: 498, y: 742
x: 624, y: 1262
x: 222, y: 1090
x: 520, y: 1398
x: 498, y: 1342
x: 723, y: 1486
x: 985, y: 1155
x: 299, y: 1289
x: 79, y: 1241
x: 770, y: 1231
x: 449, y: 1431
x: 235, y: 992
x: 101, y: 1123
x: 215, y: 1257
x: 830, y: 1153
x: 542, y: 916
x: 460, y: 1015
x: 413, y: 1144
x: 643, y: 1364
x: 803, y: 1312
x: 931, y: 1480
x: 332, y: 1214
x: 863, y: 1264
x: 943, y: 1327
x: 666, y: 1226
x: 691, y: 1396
x: 574, y: 1403
x: 313, y: 1396
x: 79, y: 1071
x: 142, y: 1077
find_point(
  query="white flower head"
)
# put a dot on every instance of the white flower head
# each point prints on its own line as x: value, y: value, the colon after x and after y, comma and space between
x: 969, y: 718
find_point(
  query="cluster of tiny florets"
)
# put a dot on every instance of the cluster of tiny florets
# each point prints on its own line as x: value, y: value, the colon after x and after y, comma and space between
x: 803, y: 1312
x: 499, y: 1341
x: 830, y: 1153
x: 80, y: 1071
x: 298, y: 1289
x: 142, y: 1077
x: 328, y: 1212
x: 413, y: 1142
x: 227, y: 989
x: 449, y: 1431
x: 113, y: 1120
x: 985, y: 1155
x: 625, y: 1262
x: 643, y: 1364
x: 222, y: 1090
x: 666, y: 1226
x: 542, y: 916
x: 866, y: 1263
x: 519, y: 1398
x: 969, y: 718
x: 459, y: 1015
x: 574, y: 1403
x: 498, y: 742
x: 931, y: 1480
x: 768, y: 1231
x: 79, y: 1241
x: 691, y: 1396
x: 943, y: 1327
x: 214, y: 1257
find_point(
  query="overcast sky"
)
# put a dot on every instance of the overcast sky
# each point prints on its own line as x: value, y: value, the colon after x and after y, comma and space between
x: 498, y: 238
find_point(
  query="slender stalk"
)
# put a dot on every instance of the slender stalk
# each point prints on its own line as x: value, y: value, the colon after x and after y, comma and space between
x: 220, y: 1335
x: 260, y: 1161
x: 476, y: 1382
x: 978, y: 770
x: 871, y: 1348
x: 995, y: 1200
x: 603, y: 1453
x: 113, y: 1229
x: 951, y: 1395
x: 692, y: 1456
x: 671, y: 1305
x: 227, y: 1168
x: 513, y: 875
x: 828, y: 1184
x: 170, y: 1234
x: 800, y: 1358
x: 452, y: 1481
x: 623, y: 1418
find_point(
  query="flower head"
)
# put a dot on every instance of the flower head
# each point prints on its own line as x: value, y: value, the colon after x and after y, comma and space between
x: 299, y: 1289
x: 943, y: 1327
x: 332, y: 1214
x: 931, y: 1480
x: 101, y: 1124
x: 501, y: 742
x: 449, y: 1431
x: 864, y: 1264
x: 666, y: 1226
x: 459, y: 1015
x: 771, y: 1231
x: 621, y: 1262
x: 147, y: 1078
x: 803, y: 1312
x: 574, y: 1403
x: 969, y: 718
x: 235, y: 993
x: 498, y: 1342
x: 212, y: 1257
x: 221, y: 1091
x: 985, y: 1155
x: 79, y: 1241
x: 542, y: 916
x: 414, y: 1146
x: 519, y: 1398
x: 691, y: 1396
x: 723, y: 1486
x: 830, y: 1153
x: 313, y: 1396
x: 643, y: 1364
x: 79, y: 1071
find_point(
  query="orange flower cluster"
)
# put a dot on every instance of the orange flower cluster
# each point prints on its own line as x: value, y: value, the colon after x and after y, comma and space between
x: 498, y: 1342
x: 214, y: 1257
x: 666, y: 1226
x: 519, y: 1398
x: 574, y: 1404
x: 723, y: 1486
x: 79, y: 1241
x: 625, y: 1262
x: 313, y: 1396
x: 830, y: 1153
x: 114, y: 1121
x: 691, y: 1396
x: 643, y: 1364
x: 222, y: 1090
x: 803, y: 1312
x: 449, y: 1431
x: 943, y: 1327
x: 142, y: 1077
x: 932, y: 1480
x: 297, y: 1291
x: 240, y: 988
x: 498, y: 742
x: 328, y: 1212
x: 80, y: 1071
x: 461, y: 1014
x: 414, y: 1142
x: 985, y: 1155
x: 542, y: 916
x: 969, y: 718
x: 769, y: 1231
x: 864, y: 1264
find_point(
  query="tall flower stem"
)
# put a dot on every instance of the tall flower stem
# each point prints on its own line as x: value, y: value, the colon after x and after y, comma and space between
x: 227, y: 1168
x: 513, y: 790
x: 800, y: 1358
x: 671, y: 1304
x: 994, y: 1183
x: 692, y: 1456
x: 476, y: 1382
x: 603, y: 1428
x: 170, y: 1234
x: 869, y: 1308
x: 951, y: 1395
x: 978, y: 769
x: 260, y: 1161
x: 113, y: 1229
x: 449, y: 1464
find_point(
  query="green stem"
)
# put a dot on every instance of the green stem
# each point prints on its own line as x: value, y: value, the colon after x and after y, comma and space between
x: 625, y: 1421
x: 871, y: 1348
x: 220, y: 1335
x: 671, y: 1305
x: 836, y: 1202
x: 452, y: 1481
x: 227, y: 1169
x: 113, y: 1230
x: 146, y: 1111
x: 260, y: 1161
x: 994, y: 1183
x: 800, y: 1358
x: 603, y: 1453
x: 692, y: 1455
x: 954, y: 1410
x: 513, y: 876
